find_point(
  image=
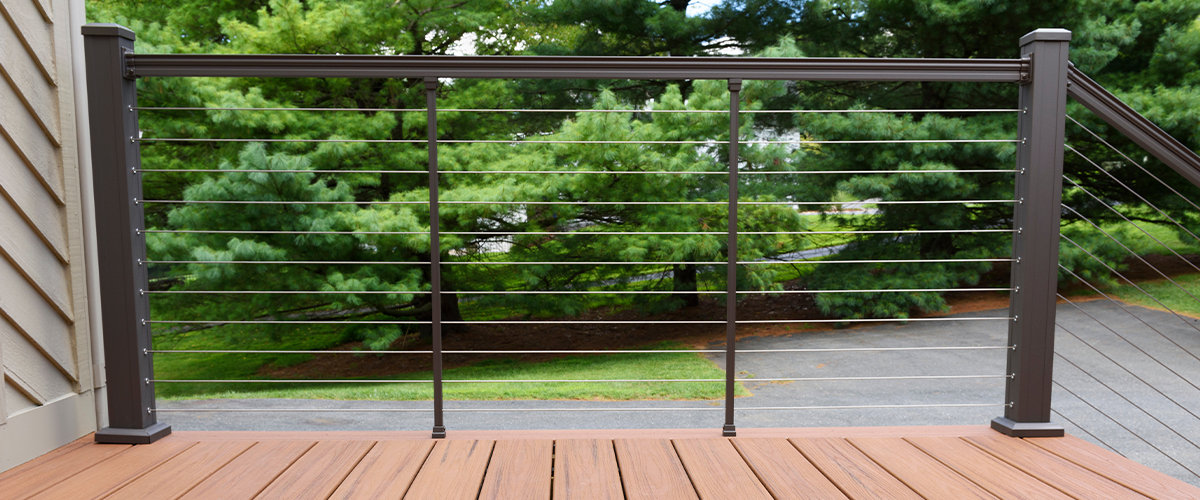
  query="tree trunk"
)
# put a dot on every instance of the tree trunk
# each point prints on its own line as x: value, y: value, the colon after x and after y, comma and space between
x: 450, y: 310
x: 684, y: 280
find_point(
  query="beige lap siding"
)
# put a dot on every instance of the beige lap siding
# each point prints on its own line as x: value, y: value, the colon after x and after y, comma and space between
x: 45, y: 343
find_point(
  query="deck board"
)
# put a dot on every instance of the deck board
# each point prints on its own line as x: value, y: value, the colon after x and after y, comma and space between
x: 387, y: 471
x: 985, y: 470
x: 1132, y: 475
x: 586, y: 468
x: 453, y: 470
x: 319, y: 472
x: 852, y: 471
x: 783, y: 470
x: 40, y: 473
x: 179, y: 474
x: 1052, y: 469
x: 921, y: 472
x: 717, y: 471
x: 98, y: 480
x: 247, y: 475
x: 891, y: 462
x: 519, y: 469
x: 651, y: 469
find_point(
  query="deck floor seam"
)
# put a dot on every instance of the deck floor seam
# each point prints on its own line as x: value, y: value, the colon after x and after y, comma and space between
x: 214, y: 471
x: 284, y: 470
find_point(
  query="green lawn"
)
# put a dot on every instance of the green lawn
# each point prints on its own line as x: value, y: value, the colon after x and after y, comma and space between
x: 607, y: 366
x: 1169, y: 294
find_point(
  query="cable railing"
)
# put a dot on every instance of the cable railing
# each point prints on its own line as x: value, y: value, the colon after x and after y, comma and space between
x: 1153, y: 348
x: 1129, y: 325
x: 723, y: 149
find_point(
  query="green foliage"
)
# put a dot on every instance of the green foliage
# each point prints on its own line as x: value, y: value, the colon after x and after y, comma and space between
x: 1146, y: 51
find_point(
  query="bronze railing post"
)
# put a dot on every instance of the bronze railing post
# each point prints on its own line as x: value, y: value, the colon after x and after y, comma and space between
x: 1035, y: 242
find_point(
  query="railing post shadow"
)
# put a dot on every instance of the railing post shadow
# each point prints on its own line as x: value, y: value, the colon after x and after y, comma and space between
x: 1036, y: 239
x: 121, y: 246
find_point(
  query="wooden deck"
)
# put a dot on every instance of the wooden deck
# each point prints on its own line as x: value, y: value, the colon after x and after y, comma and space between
x: 891, y: 462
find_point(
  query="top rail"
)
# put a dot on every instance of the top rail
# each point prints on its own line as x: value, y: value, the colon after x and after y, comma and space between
x: 1133, y: 125
x: 635, y: 68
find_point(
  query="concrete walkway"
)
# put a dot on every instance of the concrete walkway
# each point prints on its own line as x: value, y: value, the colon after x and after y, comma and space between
x: 1157, y: 420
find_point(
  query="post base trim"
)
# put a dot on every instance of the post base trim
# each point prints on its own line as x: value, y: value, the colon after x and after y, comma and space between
x: 116, y: 435
x: 1027, y: 429
x: 439, y: 431
x: 729, y: 431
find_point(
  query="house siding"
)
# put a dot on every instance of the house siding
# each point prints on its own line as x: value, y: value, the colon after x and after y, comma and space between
x: 45, y: 343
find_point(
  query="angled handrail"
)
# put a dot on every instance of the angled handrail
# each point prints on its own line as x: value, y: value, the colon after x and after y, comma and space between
x: 1133, y: 125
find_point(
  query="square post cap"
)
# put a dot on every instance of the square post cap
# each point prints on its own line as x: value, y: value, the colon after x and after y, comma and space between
x: 1046, y: 35
x: 108, y: 29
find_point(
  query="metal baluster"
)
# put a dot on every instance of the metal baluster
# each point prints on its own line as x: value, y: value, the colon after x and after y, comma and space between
x: 735, y: 87
x: 435, y: 257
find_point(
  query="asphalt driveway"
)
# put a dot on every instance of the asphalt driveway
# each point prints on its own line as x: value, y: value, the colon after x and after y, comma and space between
x: 1132, y: 399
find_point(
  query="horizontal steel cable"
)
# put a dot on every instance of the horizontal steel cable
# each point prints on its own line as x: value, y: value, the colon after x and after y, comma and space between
x: 928, y: 110
x: 563, y: 110
x: 588, y: 172
x: 574, y: 233
x: 233, y: 231
x: 600, y: 142
x: 1128, y: 311
x: 582, y: 263
x: 284, y: 292
x: 883, y: 290
x: 608, y: 409
x: 1181, y: 318
x: 463, y: 233
x: 278, y: 171
x: 577, y: 263
x: 579, y: 172
x: 472, y: 202
x: 872, y: 320
x: 1123, y: 426
x: 556, y: 381
x: 726, y: 203
x: 873, y: 261
x: 862, y: 172
x: 877, y: 202
x: 288, y: 410
x: 562, y: 322
x: 270, y: 140
x: 582, y: 292
x: 445, y: 322
x: 590, y: 351
x: 1136, y: 194
x: 887, y: 141
x: 287, y: 262
x: 243, y: 108
x: 1131, y: 161
x: 280, y: 322
x: 281, y: 202
x: 1132, y: 223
